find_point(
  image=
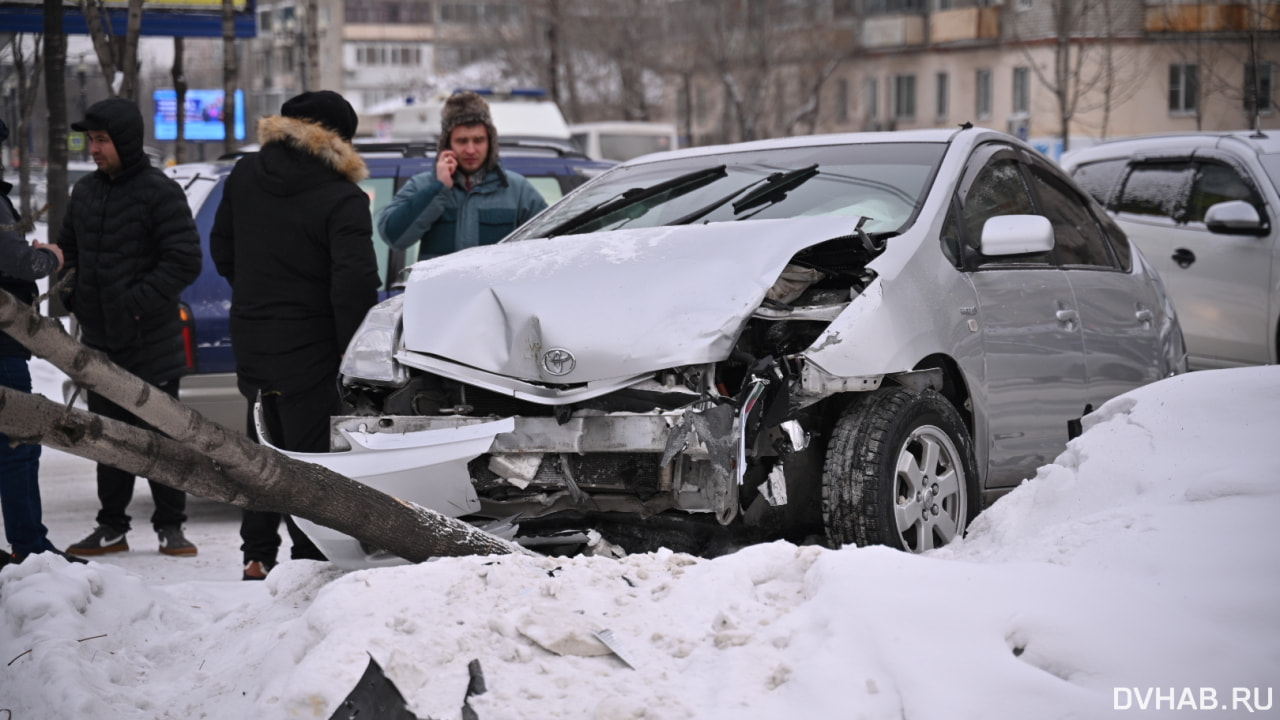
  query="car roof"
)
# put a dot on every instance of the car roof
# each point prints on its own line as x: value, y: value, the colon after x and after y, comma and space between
x: 1255, y: 142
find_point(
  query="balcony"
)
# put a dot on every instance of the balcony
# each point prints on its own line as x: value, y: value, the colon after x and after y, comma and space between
x: 1204, y: 17
x: 890, y: 31
x: 964, y: 24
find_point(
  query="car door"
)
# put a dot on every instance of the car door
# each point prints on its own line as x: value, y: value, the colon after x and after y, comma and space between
x: 1219, y: 282
x: 1119, y: 307
x: 1029, y: 322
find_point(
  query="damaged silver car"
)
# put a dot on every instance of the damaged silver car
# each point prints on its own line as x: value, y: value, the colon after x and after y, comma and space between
x: 854, y: 338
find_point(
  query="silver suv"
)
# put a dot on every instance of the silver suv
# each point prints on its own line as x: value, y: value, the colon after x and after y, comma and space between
x: 1203, y: 209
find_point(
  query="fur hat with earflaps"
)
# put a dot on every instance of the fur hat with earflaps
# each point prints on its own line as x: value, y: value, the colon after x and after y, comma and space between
x: 467, y: 108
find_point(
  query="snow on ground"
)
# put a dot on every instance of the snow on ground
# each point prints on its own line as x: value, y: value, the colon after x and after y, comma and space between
x: 1137, y: 576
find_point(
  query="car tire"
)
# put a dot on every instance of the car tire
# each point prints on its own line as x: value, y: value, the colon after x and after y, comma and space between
x: 877, y: 486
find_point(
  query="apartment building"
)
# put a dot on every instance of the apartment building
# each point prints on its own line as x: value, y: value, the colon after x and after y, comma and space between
x: 372, y: 51
x: 1109, y: 67
x: 728, y: 70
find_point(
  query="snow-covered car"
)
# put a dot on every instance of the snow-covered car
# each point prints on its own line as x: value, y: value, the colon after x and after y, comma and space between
x: 850, y: 338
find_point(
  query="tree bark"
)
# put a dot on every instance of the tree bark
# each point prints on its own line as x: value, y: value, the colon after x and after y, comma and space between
x: 129, y: 61
x: 230, y: 77
x: 55, y: 65
x: 180, y: 97
x: 208, y: 460
x: 100, y: 33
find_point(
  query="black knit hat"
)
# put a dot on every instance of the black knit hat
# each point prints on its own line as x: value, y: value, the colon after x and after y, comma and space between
x: 468, y: 108
x: 323, y: 107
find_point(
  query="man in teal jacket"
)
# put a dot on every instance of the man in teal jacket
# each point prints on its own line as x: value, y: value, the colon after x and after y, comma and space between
x: 469, y: 199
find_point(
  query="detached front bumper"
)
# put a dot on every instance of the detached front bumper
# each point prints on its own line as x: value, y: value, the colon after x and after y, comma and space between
x: 426, y: 468
x: 694, y: 458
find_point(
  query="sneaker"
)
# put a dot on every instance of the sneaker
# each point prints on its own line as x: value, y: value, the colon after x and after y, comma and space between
x: 257, y: 570
x: 101, y: 541
x: 173, y: 542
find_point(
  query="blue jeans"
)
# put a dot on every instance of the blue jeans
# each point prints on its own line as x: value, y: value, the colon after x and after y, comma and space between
x: 20, y: 476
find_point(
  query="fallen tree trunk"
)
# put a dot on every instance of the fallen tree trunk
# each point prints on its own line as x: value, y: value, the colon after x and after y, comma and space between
x: 206, y: 459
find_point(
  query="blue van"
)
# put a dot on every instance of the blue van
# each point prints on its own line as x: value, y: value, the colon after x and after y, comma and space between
x: 554, y: 168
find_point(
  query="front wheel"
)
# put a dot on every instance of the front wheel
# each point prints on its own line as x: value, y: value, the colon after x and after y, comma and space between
x: 899, y: 471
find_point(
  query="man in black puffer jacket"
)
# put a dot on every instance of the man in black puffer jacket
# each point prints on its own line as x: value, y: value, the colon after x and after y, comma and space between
x: 294, y: 237
x: 133, y: 245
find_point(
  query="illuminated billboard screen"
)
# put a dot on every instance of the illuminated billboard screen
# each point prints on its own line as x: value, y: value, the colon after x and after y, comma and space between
x: 203, y: 115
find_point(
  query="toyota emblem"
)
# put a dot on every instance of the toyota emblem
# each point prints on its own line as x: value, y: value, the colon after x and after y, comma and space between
x: 558, y: 361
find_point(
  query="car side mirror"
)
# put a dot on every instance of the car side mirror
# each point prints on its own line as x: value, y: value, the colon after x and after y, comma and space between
x: 1234, y: 217
x: 1016, y: 235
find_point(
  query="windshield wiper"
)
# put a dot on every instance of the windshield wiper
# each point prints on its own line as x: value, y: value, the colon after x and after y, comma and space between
x: 760, y: 191
x: 779, y: 184
x: 677, y: 186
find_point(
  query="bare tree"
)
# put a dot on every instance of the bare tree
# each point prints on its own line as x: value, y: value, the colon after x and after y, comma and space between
x: 27, y: 66
x: 1227, y: 57
x: 1085, y: 71
x: 55, y: 65
x: 180, y: 100
x: 99, y: 33
x: 206, y: 459
x: 129, y: 53
x: 230, y: 76
x: 117, y: 56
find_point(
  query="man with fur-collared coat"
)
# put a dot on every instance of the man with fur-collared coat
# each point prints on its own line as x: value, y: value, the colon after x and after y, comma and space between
x: 293, y: 236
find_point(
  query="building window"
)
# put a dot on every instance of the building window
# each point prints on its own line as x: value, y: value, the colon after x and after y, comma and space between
x: 904, y: 97
x: 1024, y: 4
x: 842, y: 100
x: 982, y: 89
x: 375, y: 55
x: 942, y: 95
x: 1184, y: 88
x: 1260, y: 87
x: 1021, y: 90
x: 483, y: 13
x: 873, y: 99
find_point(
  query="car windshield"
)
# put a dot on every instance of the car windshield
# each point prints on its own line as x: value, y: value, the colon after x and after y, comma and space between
x: 885, y: 182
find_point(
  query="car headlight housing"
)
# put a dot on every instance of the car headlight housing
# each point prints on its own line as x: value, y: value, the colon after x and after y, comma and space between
x: 370, y: 357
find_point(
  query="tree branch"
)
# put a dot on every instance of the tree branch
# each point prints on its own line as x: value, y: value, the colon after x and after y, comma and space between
x: 209, y: 460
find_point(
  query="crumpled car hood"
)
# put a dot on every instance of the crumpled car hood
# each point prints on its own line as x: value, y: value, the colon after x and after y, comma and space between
x: 618, y: 303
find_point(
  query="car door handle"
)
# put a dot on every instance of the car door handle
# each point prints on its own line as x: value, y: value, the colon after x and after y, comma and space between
x: 1067, y: 317
x: 1184, y: 257
x: 1144, y: 316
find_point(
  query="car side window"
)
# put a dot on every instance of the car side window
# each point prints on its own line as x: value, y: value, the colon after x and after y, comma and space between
x: 1078, y: 241
x: 998, y: 189
x: 1217, y: 182
x: 1099, y: 178
x: 1158, y: 189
